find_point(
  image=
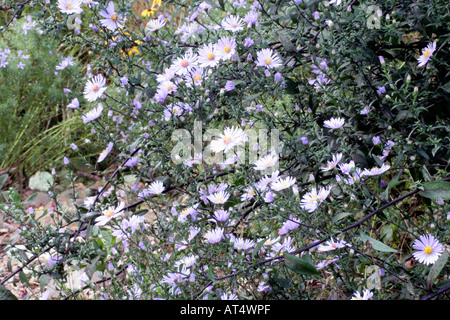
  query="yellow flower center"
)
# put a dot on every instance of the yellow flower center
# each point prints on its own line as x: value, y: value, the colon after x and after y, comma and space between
x: 210, y: 56
x: 109, y: 212
x: 169, y: 87
x: 427, y: 53
x: 227, y: 49
x: 428, y: 250
x: 197, y: 78
x: 268, y: 61
x: 68, y: 6
x: 219, y: 200
x: 226, y: 140
x: 114, y: 17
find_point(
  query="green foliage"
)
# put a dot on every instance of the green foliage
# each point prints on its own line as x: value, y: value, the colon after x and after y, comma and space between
x: 37, y: 126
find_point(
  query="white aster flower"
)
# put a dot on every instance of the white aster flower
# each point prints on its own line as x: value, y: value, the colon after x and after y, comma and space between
x: 266, y: 180
x: 346, y: 168
x: 249, y: 193
x: 183, y: 65
x: 233, y: 23
x: 70, y: 6
x: 333, y: 163
x: 157, y: 187
x: 283, y: 183
x: 95, y: 88
x: 266, y: 162
x: 334, y: 123
x: 93, y: 114
x: 427, y: 52
x: 194, y: 77
x: 231, y: 138
x: 332, y: 245
x: 105, y: 152
x: 219, y: 197
x: 66, y: 62
x: 155, y: 24
x: 243, y: 244
x: 375, y: 171
x: 428, y: 249
x: 268, y: 59
x: 74, y: 104
x: 367, y: 294
x: 311, y: 200
x: 109, y: 214
x: 208, y: 56
x: 226, y: 48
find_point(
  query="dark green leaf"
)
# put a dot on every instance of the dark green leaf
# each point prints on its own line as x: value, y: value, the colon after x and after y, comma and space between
x: 301, y: 265
x: 31, y: 198
x: 436, y: 190
x: 377, y: 245
x: 436, y: 269
x: 258, y: 247
x: 5, y: 294
x: 140, y: 212
x: 3, y: 179
x: 23, y: 278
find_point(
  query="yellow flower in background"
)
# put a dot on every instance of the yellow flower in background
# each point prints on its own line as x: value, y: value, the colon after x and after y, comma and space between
x: 134, y: 49
x: 148, y: 13
x: 152, y: 10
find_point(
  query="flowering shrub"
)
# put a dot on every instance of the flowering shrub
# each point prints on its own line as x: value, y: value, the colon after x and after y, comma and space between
x: 281, y: 149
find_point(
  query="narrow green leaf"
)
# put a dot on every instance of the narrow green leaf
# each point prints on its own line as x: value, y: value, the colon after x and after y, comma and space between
x: 5, y: 294
x: 436, y: 190
x: 23, y: 278
x: 377, y: 245
x: 140, y: 212
x: 436, y: 269
x: 340, y: 216
x: 258, y: 247
x: 43, y: 280
x: 211, y: 275
x: 3, y: 179
x: 301, y: 266
x: 31, y: 198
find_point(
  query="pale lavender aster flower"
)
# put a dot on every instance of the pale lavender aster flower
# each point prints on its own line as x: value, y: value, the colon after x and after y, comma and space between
x: 226, y: 48
x: 92, y: 114
x: 428, y: 249
x: 251, y: 18
x: 73, y: 104
x: 426, y: 54
x: 248, y: 42
x: 232, y: 23
x: 381, y: 90
x: 268, y: 58
x: 95, y: 88
x: 214, y: 236
x: 366, y: 295
x: 111, y: 20
x: 229, y: 86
